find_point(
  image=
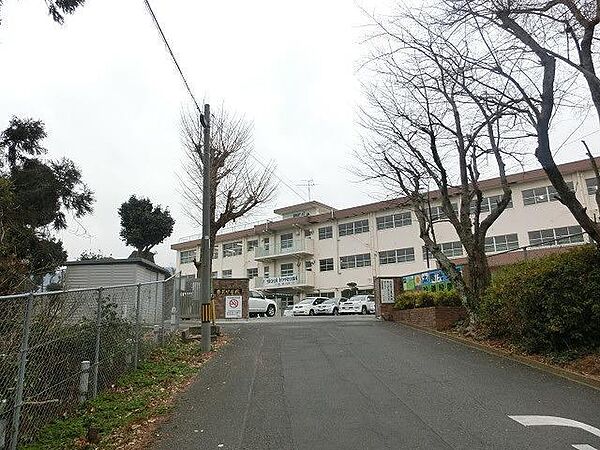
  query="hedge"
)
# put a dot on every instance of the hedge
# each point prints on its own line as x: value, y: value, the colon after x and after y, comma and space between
x: 546, y: 305
x: 424, y: 299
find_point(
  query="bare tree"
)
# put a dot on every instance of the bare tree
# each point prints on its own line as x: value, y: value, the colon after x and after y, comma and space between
x: 431, y: 129
x: 239, y: 183
x: 544, y: 34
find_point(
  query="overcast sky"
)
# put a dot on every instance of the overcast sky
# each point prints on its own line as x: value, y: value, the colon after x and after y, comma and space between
x: 111, y: 99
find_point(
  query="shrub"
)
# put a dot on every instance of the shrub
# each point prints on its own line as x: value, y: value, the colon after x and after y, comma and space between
x: 424, y: 299
x: 546, y: 305
x: 447, y: 298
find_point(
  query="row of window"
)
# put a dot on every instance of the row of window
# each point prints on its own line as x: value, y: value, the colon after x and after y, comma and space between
x: 501, y: 243
x: 561, y: 235
x: 488, y: 204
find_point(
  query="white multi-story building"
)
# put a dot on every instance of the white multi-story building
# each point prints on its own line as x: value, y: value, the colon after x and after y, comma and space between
x: 315, y: 248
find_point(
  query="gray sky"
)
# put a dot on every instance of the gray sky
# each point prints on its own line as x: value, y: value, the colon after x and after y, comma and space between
x: 111, y: 99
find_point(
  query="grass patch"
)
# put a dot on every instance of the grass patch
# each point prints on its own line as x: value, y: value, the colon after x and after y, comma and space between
x: 137, y: 397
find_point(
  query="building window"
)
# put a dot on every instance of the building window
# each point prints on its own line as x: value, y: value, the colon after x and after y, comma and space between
x: 227, y: 273
x: 360, y: 226
x: 556, y: 236
x: 214, y: 274
x: 592, y: 185
x: 501, y: 243
x: 325, y: 265
x: 450, y: 249
x: 232, y: 249
x: 394, y: 221
x: 489, y: 204
x: 266, y: 271
x: 187, y: 256
x: 438, y: 213
x: 397, y: 256
x: 307, y: 233
x: 352, y: 261
x: 542, y: 194
x: 287, y: 241
x: 308, y: 265
x: 325, y: 233
x: 215, y: 252
x: 251, y: 273
x: 266, y: 243
x: 252, y: 244
x: 287, y: 269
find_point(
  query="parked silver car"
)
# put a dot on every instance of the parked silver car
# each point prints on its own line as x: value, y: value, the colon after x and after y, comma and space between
x: 330, y: 306
x: 308, y: 306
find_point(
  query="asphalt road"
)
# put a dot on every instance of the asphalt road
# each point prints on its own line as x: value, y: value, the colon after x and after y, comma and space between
x: 357, y: 383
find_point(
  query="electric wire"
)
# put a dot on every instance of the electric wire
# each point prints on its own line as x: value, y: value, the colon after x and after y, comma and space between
x: 166, y: 42
x: 189, y: 90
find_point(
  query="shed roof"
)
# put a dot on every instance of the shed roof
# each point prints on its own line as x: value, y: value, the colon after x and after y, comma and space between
x: 111, y: 261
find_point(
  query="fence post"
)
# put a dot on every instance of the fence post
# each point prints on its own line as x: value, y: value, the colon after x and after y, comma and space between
x: 97, y: 350
x: 21, y: 375
x: 176, y: 301
x: 84, y: 381
x: 136, y: 353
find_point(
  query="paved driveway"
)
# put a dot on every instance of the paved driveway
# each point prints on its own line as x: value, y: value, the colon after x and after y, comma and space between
x: 357, y: 383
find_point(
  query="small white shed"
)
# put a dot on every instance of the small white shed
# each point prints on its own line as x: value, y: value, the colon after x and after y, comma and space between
x: 109, y: 273
x: 112, y: 272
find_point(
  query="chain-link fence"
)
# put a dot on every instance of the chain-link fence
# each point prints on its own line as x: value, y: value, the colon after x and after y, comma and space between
x: 58, y: 349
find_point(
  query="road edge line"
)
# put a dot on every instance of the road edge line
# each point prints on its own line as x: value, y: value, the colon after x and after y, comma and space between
x: 557, y: 371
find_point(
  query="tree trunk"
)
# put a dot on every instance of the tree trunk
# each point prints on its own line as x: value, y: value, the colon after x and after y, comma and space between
x: 478, y: 279
x: 567, y: 197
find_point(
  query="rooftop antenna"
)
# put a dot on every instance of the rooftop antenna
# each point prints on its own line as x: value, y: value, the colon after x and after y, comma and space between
x: 307, y: 184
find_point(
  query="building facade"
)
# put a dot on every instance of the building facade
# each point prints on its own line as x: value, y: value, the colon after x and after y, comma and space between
x: 317, y: 249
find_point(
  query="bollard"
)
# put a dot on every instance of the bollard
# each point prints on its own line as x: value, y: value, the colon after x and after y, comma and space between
x: 84, y: 381
x: 173, y: 318
x: 157, y: 334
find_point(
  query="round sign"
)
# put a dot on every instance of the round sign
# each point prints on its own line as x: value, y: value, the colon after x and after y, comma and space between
x: 234, y: 303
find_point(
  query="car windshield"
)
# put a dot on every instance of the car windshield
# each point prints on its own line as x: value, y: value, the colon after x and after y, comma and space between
x: 357, y: 298
x: 329, y: 302
x: 306, y: 302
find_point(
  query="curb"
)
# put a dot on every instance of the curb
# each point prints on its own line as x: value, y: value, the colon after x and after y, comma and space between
x: 557, y: 371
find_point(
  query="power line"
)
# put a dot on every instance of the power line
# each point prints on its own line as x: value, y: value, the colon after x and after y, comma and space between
x: 166, y: 42
x: 187, y: 86
x: 279, y: 178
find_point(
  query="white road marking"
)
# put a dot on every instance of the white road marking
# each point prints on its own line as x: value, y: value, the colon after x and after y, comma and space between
x: 531, y: 421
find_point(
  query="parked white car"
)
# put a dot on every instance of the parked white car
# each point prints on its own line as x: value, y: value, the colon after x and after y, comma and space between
x: 330, y: 306
x: 371, y: 305
x: 357, y: 304
x: 258, y: 305
x: 308, y: 306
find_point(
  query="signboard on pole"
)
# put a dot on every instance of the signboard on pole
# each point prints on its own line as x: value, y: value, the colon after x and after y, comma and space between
x: 233, y: 307
x: 387, y: 291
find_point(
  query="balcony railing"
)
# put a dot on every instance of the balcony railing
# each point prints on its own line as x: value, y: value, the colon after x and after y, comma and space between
x: 284, y: 248
x: 302, y: 279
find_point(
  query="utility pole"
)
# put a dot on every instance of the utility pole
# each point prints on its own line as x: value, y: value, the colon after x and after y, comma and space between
x: 206, y: 257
